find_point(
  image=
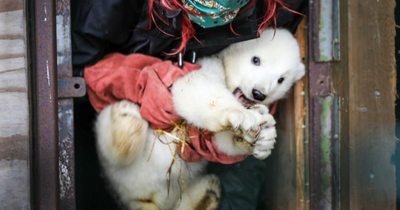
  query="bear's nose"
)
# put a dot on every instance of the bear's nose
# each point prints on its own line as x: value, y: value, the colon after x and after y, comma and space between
x: 258, y: 95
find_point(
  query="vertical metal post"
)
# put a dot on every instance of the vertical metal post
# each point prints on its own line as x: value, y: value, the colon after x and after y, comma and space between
x: 324, y: 144
x: 66, y: 87
x: 45, y: 138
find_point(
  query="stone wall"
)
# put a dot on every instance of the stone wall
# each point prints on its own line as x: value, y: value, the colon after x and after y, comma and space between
x: 14, y: 107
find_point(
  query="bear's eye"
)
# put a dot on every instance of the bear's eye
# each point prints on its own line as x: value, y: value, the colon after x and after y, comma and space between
x: 256, y: 60
x: 280, y: 80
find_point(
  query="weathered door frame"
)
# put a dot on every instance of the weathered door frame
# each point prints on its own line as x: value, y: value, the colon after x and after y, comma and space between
x: 43, y: 67
x: 53, y: 87
x: 348, y: 140
x: 351, y: 100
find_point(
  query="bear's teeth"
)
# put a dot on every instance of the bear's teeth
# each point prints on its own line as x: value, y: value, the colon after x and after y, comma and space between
x: 242, y: 98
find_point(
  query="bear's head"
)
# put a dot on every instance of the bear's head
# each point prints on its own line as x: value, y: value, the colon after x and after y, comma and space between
x: 263, y: 70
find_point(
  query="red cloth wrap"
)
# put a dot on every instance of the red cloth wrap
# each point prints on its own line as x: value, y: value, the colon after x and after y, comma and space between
x: 203, y: 147
x: 146, y: 80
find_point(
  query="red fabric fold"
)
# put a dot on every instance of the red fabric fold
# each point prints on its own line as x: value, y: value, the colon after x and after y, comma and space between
x: 139, y: 78
x: 203, y: 147
x: 146, y: 80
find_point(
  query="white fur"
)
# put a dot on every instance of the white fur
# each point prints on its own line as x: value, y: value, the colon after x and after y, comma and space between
x: 204, y: 98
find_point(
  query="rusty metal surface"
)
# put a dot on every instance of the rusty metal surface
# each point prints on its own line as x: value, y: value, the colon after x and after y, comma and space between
x: 313, y: 24
x: 324, y: 153
x: 323, y: 148
x: 320, y: 79
x: 66, y: 155
x: 315, y: 155
x: 319, y: 72
x: 335, y: 154
x: 64, y: 56
x: 68, y: 87
x: 45, y: 162
x: 71, y: 87
x: 325, y: 30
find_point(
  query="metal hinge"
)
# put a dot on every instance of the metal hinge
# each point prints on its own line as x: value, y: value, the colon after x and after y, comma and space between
x: 71, y: 87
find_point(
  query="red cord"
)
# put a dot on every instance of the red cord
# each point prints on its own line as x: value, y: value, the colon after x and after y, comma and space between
x: 273, y: 108
x: 271, y: 10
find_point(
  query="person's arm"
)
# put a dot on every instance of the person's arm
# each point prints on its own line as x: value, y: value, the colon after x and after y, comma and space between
x: 289, y: 20
x: 142, y: 79
x: 97, y: 25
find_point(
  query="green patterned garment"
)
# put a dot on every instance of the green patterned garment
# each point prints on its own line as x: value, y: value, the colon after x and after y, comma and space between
x: 213, y: 12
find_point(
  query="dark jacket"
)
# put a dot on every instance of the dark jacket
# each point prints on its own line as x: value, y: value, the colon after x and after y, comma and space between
x: 103, y: 26
x: 100, y: 27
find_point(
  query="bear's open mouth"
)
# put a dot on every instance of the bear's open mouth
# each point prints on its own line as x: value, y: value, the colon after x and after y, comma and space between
x: 242, y: 98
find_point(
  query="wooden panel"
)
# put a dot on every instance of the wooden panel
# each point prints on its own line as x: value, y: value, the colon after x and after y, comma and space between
x: 7, y: 65
x: 287, y: 185
x: 301, y: 116
x: 11, y: 5
x: 372, y: 80
x: 16, y: 81
x: 11, y: 25
x: 12, y: 48
x: 284, y: 157
x: 13, y: 147
x: 14, y: 184
x: 14, y: 110
x: 13, y: 113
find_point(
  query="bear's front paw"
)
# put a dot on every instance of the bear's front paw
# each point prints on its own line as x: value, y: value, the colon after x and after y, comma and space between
x: 265, y: 142
x: 260, y: 145
x: 262, y: 139
x: 249, y: 121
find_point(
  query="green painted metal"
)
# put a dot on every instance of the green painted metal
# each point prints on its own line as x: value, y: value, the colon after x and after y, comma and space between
x: 326, y: 166
x: 325, y: 31
x: 329, y: 31
x: 335, y: 152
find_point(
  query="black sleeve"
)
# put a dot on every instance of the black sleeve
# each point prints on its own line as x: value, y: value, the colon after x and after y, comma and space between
x: 98, y: 24
x: 240, y: 182
x: 290, y: 20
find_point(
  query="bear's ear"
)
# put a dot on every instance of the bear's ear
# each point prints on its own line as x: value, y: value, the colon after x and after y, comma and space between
x: 301, y: 70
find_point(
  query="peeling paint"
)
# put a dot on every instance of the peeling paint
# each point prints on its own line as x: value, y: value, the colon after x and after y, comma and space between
x: 63, y: 39
x: 66, y: 168
x: 65, y: 108
x: 362, y: 109
x: 45, y: 12
x: 48, y: 72
x: 65, y: 178
x: 325, y: 31
x: 326, y: 165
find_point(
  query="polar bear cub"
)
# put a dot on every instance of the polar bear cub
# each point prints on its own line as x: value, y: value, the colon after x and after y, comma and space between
x: 227, y: 96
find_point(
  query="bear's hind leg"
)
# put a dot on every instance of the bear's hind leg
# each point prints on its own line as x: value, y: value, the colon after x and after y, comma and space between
x: 143, y: 204
x: 203, y: 195
x: 121, y: 132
